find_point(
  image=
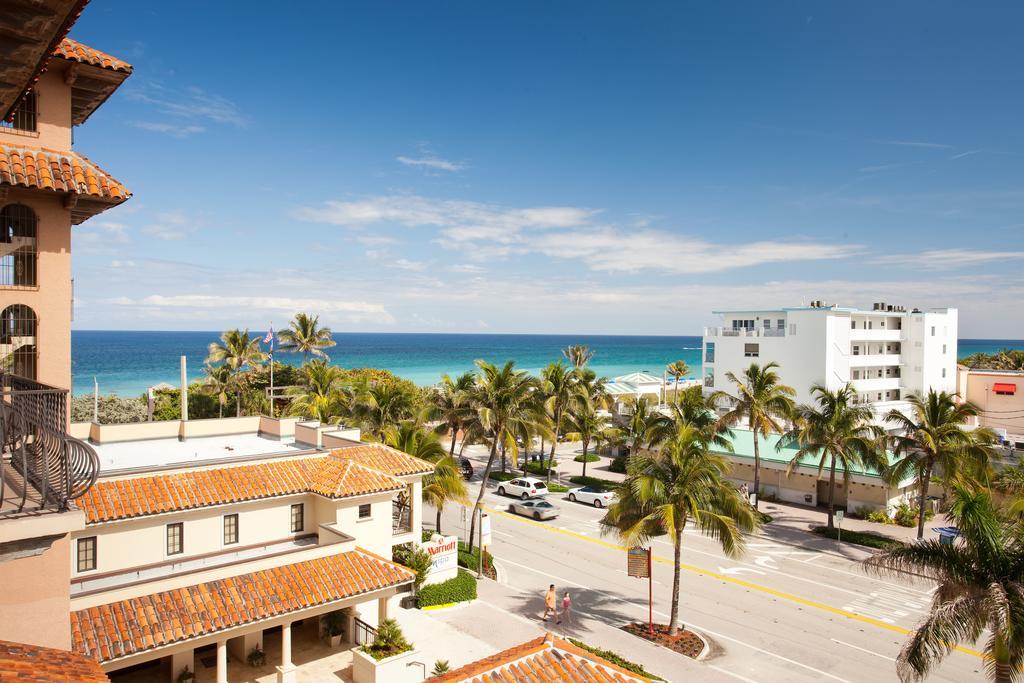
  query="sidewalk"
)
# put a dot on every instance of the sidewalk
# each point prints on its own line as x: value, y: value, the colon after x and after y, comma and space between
x: 503, y: 617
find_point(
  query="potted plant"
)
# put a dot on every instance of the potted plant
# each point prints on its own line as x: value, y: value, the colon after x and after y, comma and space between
x: 440, y: 668
x: 186, y: 676
x: 386, y: 658
x: 256, y: 657
x: 334, y: 627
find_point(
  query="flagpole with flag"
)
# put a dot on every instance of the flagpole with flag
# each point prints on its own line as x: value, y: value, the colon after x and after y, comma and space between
x: 269, y: 339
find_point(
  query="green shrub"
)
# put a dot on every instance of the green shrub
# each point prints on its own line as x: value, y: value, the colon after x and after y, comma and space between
x: 502, y: 476
x: 861, y: 512
x: 390, y: 641
x: 557, y: 488
x: 864, y: 538
x: 603, y: 484
x: 879, y: 516
x: 441, y: 667
x: 458, y: 589
x: 615, y: 658
x: 471, y: 560
x: 112, y: 409
x: 538, y: 470
x: 589, y: 458
x: 618, y: 465
x: 416, y: 559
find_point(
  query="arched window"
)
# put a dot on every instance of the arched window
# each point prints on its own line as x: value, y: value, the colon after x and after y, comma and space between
x: 18, y: 341
x: 17, y: 246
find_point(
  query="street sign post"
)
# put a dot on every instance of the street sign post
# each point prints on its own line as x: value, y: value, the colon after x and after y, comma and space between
x: 638, y: 564
x: 485, y: 542
x: 839, y: 522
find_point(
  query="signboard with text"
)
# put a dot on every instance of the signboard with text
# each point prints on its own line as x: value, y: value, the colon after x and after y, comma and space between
x: 638, y: 563
x: 444, y: 558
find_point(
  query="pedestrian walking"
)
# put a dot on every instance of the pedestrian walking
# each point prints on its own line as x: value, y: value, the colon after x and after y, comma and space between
x: 550, y: 602
x: 566, y: 610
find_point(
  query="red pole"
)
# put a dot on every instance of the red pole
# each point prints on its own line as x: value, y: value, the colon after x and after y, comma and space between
x: 650, y: 596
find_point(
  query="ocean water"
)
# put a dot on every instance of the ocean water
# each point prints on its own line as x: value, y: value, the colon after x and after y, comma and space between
x: 125, y: 363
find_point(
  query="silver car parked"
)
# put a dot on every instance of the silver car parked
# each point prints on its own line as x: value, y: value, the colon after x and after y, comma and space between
x: 538, y: 508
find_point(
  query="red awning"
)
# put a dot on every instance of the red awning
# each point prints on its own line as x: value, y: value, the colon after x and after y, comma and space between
x: 1003, y: 388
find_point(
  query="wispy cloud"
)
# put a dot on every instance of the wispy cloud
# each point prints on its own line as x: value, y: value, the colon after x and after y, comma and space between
x: 189, y: 103
x: 961, y: 155
x: 278, y: 304
x: 949, y: 259
x: 886, y: 167
x: 171, y: 225
x: 406, y: 264
x: 914, y: 143
x: 432, y: 162
x: 175, y: 130
x: 467, y: 268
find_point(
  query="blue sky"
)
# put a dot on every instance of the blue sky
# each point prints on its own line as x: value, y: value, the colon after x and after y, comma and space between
x: 553, y: 167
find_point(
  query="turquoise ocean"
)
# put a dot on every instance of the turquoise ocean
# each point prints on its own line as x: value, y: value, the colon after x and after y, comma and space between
x: 126, y: 362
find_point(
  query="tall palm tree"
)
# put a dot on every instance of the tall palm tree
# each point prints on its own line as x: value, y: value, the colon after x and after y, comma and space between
x: 237, y: 350
x: 305, y: 335
x: 681, y: 482
x: 837, y: 433
x: 450, y: 403
x: 444, y: 485
x: 502, y: 397
x: 765, y: 402
x: 692, y: 408
x: 559, y: 385
x: 382, y: 404
x: 219, y: 383
x: 677, y: 370
x: 578, y: 354
x: 418, y: 442
x: 980, y: 591
x: 935, y: 438
x: 587, y: 425
x: 320, y: 396
x: 645, y: 426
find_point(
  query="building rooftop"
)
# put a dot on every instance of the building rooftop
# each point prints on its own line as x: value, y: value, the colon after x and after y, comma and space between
x: 21, y: 662
x: 126, y: 627
x: 74, y: 51
x: 547, y: 658
x: 743, y: 446
x: 326, y: 475
x: 384, y: 459
x: 150, y: 453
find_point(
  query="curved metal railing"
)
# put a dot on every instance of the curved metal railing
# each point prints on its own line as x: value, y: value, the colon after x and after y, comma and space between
x: 54, y: 468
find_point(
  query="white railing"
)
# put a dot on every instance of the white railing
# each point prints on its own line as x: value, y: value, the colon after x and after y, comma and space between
x: 742, y: 332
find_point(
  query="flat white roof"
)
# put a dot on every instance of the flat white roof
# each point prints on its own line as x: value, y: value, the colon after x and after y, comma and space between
x: 127, y: 455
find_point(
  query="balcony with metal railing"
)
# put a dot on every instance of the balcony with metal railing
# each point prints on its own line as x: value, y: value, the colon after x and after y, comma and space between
x: 44, y: 469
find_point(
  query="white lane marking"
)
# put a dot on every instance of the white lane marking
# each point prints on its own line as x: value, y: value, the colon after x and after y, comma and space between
x: 765, y: 561
x: 502, y: 533
x: 870, y: 652
x: 738, y: 570
x: 699, y: 628
x: 886, y: 604
x: 730, y: 673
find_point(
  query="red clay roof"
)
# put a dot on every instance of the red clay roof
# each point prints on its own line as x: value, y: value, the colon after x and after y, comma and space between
x: 74, y: 51
x: 547, y: 658
x: 21, y: 662
x: 114, y: 499
x: 384, y: 459
x: 126, y: 627
x: 46, y: 169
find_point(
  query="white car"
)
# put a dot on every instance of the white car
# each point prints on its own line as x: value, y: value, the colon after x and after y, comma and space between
x: 592, y: 496
x: 538, y: 508
x: 524, y: 487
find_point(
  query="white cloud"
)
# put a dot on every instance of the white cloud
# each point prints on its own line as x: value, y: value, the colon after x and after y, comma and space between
x: 258, y: 305
x: 914, y: 143
x: 432, y: 162
x: 947, y: 259
x: 406, y: 264
x: 961, y: 155
x: 190, y: 103
x: 173, y: 129
x: 468, y: 268
x: 171, y: 225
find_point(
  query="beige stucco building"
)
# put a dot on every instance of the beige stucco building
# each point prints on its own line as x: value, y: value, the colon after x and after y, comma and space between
x: 999, y: 396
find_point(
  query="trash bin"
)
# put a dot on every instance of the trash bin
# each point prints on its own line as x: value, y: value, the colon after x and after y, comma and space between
x: 947, y: 534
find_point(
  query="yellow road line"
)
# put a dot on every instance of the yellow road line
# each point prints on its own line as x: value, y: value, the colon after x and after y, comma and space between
x: 739, y: 582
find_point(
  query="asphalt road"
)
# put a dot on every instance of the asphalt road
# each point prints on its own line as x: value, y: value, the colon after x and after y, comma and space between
x: 783, y: 612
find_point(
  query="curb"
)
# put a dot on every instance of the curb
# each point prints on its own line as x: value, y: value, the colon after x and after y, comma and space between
x: 703, y: 653
x: 448, y: 605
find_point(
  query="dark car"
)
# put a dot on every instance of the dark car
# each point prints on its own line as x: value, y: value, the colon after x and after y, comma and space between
x: 467, y: 468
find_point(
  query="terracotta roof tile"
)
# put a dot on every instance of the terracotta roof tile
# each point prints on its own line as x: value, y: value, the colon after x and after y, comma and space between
x: 547, y: 658
x: 74, y: 51
x: 123, y: 628
x: 21, y: 662
x: 384, y: 459
x: 114, y: 499
x: 46, y: 169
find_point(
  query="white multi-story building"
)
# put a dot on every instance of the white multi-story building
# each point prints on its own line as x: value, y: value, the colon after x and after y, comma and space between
x: 886, y: 353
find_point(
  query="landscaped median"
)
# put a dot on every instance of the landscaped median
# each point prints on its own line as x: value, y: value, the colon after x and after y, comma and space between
x: 865, y: 538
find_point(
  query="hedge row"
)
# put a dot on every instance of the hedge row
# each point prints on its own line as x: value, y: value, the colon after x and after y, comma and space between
x: 590, y: 458
x: 615, y: 658
x: 864, y: 538
x: 459, y: 589
x: 603, y: 484
x: 502, y: 476
x: 471, y: 560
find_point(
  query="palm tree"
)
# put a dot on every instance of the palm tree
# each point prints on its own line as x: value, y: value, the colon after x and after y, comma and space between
x: 578, y: 354
x: 559, y: 385
x: 237, y: 350
x: 305, y: 336
x: 418, y: 442
x: 646, y: 425
x: 502, y: 397
x: 692, y: 408
x: 765, y: 403
x: 681, y: 482
x: 379, y: 405
x: 980, y: 589
x: 587, y: 425
x: 935, y: 438
x: 320, y: 396
x: 219, y: 383
x: 837, y: 433
x: 450, y: 403
x: 444, y: 485
x: 677, y: 370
